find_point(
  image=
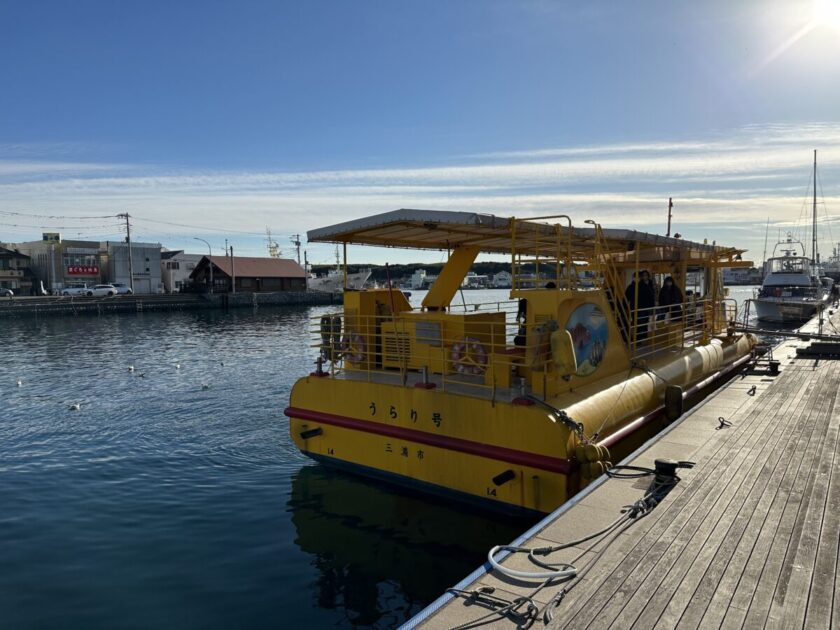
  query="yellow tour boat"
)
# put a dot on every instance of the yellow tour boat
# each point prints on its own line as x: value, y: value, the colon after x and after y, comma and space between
x: 518, y: 403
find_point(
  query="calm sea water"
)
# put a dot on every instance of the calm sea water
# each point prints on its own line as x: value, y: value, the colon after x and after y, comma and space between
x: 174, y: 497
x: 161, y: 503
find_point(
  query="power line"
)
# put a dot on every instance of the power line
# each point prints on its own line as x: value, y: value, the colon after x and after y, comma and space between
x: 56, y: 227
x: 198, y: 227
x: 56, y: 216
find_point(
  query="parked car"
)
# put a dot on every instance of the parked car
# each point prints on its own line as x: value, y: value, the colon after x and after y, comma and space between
x: 102, y: 290
x: 76, y: 289
x: 6, y: 292
x: 122, y: 288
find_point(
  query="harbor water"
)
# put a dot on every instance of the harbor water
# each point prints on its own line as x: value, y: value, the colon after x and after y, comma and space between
x: 174, y: 498
x: 173, y: 495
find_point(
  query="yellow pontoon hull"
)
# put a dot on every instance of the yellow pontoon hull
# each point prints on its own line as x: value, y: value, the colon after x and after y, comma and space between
x: 512, y: 453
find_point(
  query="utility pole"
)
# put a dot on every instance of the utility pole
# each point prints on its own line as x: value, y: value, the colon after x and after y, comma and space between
x: 125, y: 216
x: 232, y: 272
x: 670, y: 207
x: 305, y: 271
x: 209, y: 259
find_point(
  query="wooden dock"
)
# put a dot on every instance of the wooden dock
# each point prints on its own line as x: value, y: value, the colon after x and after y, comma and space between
x: 748, y: 538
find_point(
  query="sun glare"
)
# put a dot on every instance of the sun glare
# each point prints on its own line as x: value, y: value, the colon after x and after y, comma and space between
x: 826, y: 13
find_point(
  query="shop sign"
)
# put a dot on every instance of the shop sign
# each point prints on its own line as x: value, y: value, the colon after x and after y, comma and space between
x: 83, y: 270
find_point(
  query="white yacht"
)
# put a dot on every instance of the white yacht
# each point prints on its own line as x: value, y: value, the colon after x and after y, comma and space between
x: 333, y: 281
x: 792, y: 290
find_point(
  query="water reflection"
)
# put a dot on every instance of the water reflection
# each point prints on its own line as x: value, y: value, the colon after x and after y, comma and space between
x: 383, y: 555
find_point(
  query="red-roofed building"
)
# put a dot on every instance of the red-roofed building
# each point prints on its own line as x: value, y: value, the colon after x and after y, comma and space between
x: 250, y: 274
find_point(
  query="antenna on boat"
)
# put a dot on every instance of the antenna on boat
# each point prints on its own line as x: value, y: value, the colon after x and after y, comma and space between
x: 296, y: 243
x: 764, y: 257
x: 273, y: 247
x: 670, y: 215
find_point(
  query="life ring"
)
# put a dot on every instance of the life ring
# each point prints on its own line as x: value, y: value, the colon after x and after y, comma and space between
x: 354, y: 347
x: 468, y: 356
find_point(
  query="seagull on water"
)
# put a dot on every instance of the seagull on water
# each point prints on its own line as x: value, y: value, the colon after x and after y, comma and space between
x: 205, y: 386
x: 75, y: 407
x: 130, y: 368
x: 177, y: 366
x: 20, y: 383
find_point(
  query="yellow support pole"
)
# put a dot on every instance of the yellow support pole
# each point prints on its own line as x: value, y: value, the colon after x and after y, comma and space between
x: 450, y: 278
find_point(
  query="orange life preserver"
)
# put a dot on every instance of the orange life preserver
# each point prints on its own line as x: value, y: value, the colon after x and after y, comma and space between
x: 468, y: 356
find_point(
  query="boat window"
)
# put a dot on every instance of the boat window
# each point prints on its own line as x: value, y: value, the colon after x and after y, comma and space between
x: 789, y: 264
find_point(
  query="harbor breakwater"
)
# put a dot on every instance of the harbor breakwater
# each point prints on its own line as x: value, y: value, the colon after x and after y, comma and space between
x: 74, y: 305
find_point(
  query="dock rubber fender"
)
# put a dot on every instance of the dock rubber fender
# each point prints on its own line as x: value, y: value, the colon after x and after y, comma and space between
x: 354, y: 347
x: 468, y: 356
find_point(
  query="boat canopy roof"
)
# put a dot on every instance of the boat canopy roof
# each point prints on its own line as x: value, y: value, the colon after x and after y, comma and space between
x: 439, y: 230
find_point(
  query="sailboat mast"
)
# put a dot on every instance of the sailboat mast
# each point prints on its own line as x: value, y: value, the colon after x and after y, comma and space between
x: 814, y: 219
x: 764, y: 257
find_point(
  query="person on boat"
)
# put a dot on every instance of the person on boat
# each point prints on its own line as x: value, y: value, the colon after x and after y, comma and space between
x: 670, y: 300
x: 641, y: 297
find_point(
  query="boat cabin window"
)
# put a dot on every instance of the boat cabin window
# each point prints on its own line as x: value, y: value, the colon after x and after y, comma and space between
x: 789, y: 264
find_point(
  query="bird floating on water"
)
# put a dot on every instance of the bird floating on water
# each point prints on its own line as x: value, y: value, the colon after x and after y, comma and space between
x: 130, y: 368
x: 205, y: 386
x: 177, y: 366
x: 20, y: 383
x: 76, y: 407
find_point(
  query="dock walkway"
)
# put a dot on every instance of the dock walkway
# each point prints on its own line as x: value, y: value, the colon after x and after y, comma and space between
x: 747, y: 539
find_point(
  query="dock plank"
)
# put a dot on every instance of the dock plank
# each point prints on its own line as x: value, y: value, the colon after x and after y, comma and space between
x: 771, y: 582
x: 792, y: 594
x: 711, y: 598
x: 647, y: 603
x: 823, y: 606
x: 615, y: 589
x: 699, y: 562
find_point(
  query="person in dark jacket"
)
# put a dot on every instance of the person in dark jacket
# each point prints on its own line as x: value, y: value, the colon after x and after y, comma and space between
x: 670, y: 300
x: 641, y: 297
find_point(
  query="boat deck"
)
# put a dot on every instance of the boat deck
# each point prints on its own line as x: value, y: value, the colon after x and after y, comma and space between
x: 748, y: 538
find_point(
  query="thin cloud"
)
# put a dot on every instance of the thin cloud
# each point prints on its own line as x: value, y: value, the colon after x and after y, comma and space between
x: 755, y: 173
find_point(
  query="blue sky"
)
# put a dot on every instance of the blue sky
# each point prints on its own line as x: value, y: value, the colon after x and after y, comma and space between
x: 227, y: 117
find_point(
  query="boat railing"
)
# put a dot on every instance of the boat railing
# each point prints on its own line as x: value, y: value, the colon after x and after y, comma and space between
x: 485, y: 356
x: 682, y: 325
x: 486, y: 349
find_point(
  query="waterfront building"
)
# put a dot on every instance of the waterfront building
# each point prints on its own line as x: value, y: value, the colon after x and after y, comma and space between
x: 175, y: 269
x: 59, y: 263
x: 249, y: 274
x: 14, y: 272
x: 144, y: 264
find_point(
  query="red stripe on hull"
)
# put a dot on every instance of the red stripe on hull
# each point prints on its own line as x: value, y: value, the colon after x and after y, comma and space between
x: 554, y: 464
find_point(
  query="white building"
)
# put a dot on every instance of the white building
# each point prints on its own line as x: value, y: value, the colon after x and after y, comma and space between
x: 175, y: 269
x: 501, y: 280
x: 475, y: 281
x: 144, y: 264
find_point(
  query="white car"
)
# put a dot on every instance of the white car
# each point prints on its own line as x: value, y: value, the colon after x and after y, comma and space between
x: 75, y: 289
x: 122, y: 288
x: 6, y: 292
x: 102, y: 290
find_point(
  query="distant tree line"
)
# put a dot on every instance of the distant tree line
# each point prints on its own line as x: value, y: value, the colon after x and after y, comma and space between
x: 398, y: 271
x: 379, y: 273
